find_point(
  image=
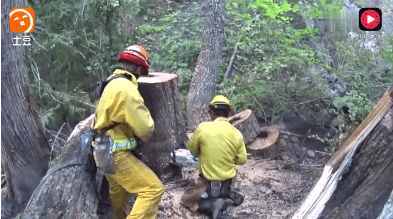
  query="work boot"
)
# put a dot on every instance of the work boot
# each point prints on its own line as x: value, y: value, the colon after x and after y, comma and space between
x: 218, y: 208
x: 236, y: 197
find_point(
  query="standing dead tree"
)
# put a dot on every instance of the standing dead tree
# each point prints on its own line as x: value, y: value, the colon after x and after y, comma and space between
x: 203, y: 83
x: 25, y: 150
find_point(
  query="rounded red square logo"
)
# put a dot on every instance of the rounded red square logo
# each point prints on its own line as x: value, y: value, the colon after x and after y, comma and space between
x: 370, y: 19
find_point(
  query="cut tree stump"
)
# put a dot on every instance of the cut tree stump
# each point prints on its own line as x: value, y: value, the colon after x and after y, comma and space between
x: 68, y: 188
x: 264, y: 144
x: 247, y: 124
x: 161, y: 96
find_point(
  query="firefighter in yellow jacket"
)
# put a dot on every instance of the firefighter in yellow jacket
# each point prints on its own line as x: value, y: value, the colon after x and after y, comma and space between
x: 219, y: 147
x: 122, y: 104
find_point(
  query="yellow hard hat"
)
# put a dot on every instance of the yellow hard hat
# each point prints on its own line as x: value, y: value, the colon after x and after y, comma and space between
x: 220, y: 100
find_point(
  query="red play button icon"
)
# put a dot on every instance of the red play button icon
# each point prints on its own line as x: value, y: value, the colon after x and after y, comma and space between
x: 370, y: 19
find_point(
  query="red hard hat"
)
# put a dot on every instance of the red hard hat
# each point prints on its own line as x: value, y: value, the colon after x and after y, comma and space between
x: 135, y: 54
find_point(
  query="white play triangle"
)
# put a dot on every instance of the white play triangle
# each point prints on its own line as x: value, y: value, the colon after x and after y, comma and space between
x: 370, y: 19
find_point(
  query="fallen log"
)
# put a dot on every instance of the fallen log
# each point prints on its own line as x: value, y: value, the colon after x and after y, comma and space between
x: 161, y: 96
x: 247, y: 124
x: 68, y: 188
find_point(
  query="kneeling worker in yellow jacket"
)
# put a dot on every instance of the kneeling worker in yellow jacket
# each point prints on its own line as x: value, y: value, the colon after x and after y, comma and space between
x: 220, y: 147
x: 121, y: 104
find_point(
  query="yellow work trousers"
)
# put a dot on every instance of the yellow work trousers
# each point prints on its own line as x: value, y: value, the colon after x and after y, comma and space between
x: 133, y: 176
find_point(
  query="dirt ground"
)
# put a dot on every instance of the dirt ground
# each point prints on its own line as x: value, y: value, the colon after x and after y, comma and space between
x: 273, y: 186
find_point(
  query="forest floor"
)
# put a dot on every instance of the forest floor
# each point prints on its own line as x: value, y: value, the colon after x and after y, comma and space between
x: 273, y: 188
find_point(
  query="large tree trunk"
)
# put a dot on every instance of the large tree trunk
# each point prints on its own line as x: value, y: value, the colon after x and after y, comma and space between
x: 161, y: 96
x: 203, y: 83
x: 25, y: 151
x: 68, y: 189
x: 364, y: 190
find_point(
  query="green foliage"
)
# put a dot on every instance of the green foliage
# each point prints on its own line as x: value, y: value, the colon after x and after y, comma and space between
x: 174, y: 41
x: 387, y: 52
x: 323, y: 8
x: 75, y: 45
x: 365, y: 73
x: 271, y: 59
x: 357, y: 104
x: 273, y: 10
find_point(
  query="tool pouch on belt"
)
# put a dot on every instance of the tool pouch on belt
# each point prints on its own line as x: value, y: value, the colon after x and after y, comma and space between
x: 102, y: 152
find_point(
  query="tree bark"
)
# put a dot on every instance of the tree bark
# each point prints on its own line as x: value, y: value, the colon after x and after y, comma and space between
x: 203, y: 83
x: 161, y: 96
x: 25, y: 149
x: 366, y: 187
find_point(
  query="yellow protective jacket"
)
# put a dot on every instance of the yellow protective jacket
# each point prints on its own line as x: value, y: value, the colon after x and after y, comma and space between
x: 220, y: 147
x: 122, y: 103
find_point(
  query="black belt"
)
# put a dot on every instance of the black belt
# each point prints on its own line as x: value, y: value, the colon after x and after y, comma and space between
x: 219, y: 189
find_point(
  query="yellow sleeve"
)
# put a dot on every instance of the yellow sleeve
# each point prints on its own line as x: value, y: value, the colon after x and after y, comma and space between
x: 241, y: 157
x: 122, y: 103
x: 194, y: 143
x: 137, y: 116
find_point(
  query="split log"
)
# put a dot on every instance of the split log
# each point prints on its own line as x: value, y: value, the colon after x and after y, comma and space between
x: 161, y: 96
x: 366, y: 187
x: 247, y: 124
x: 366, y: 175
x: 68, y: 188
